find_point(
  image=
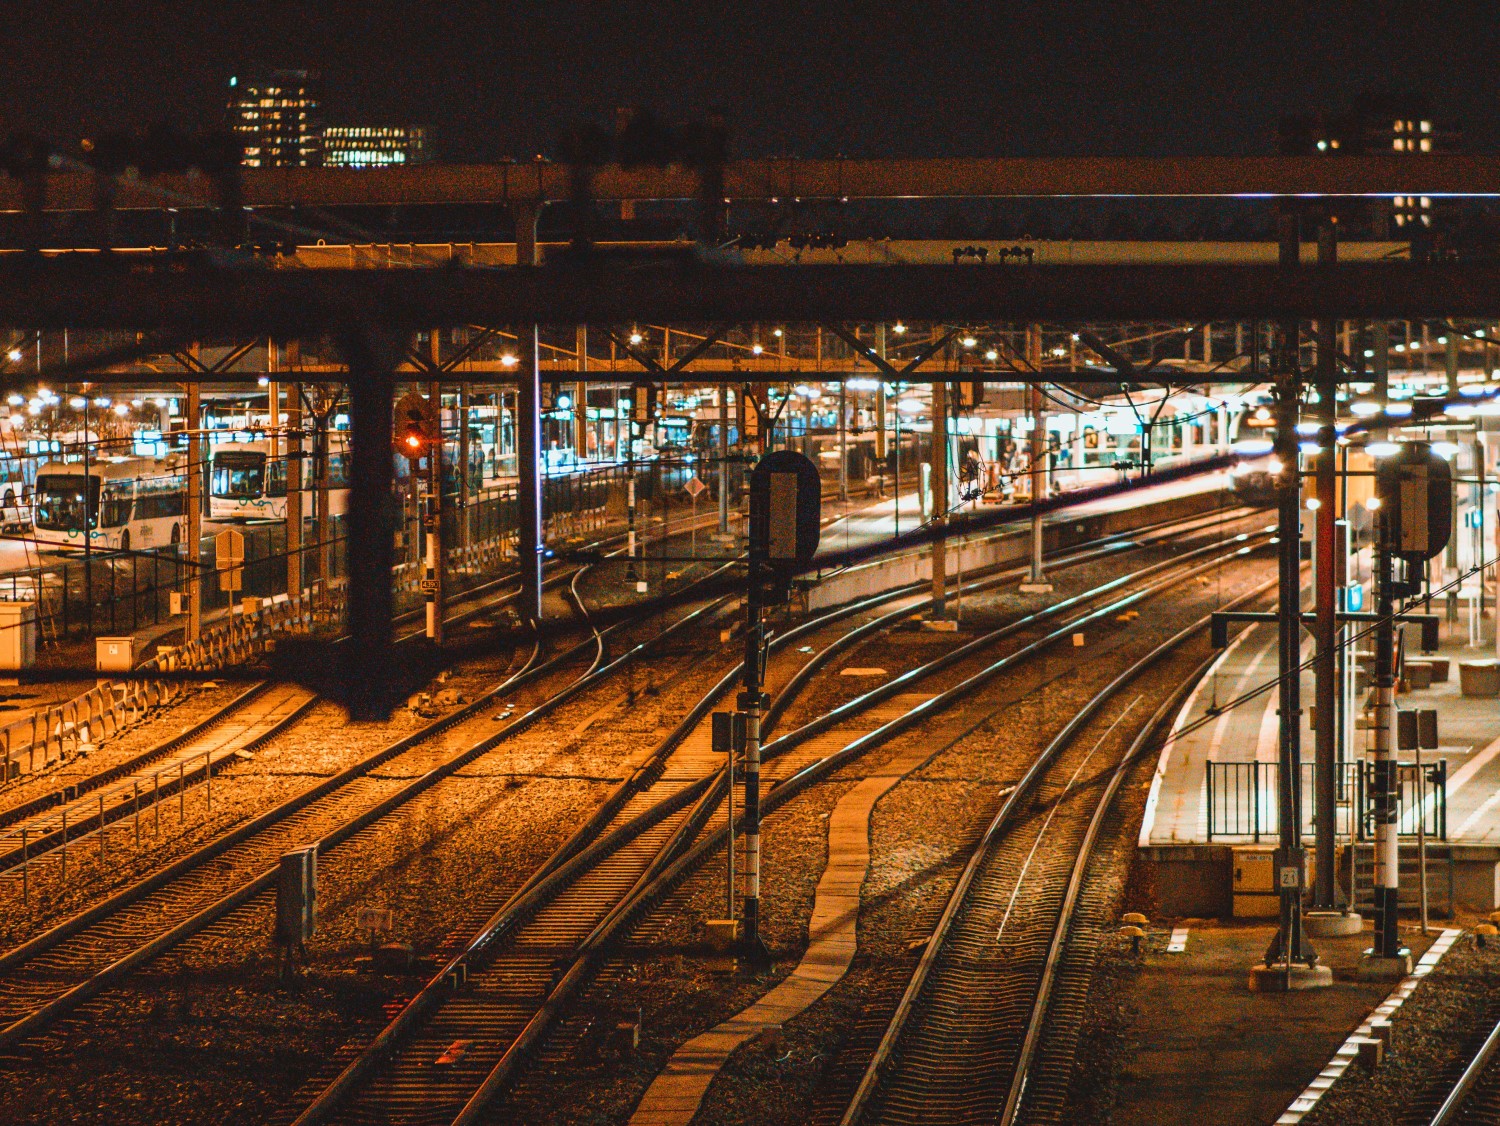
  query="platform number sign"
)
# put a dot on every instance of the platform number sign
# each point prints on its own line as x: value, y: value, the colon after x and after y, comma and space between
x: 786, y: 502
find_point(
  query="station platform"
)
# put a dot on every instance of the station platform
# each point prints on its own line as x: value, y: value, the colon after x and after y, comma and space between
x: 1214, y: 787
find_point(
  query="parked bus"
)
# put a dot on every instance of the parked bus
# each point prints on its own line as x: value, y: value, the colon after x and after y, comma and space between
x: 128, y: 503
x: 246, y: 483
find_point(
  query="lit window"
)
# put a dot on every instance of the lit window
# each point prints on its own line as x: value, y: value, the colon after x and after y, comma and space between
x: 1400, y: 125
x: 1427, y: 127
x: 1426, y: 220
x: 1333, y: 143
x: 1426, y: 144
x: 1400, y: 222
x: 1426, y: 202
x: 1397, y: 145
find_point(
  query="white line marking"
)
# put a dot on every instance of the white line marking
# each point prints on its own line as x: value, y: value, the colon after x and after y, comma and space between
x: 1177, y: 944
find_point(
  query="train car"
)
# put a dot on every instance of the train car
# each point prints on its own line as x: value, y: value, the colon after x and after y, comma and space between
x: 126, y: 503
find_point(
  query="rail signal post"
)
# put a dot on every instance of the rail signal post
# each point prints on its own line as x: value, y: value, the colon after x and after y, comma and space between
x: 1413, y: 524
x: 785, y: 504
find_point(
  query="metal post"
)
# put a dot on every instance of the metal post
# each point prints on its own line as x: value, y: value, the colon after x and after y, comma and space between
x: 371, y: 548
x: 1325, y: 626
x: 294, y: 477
x: 724, y: 460
x: 1289, y: 944
x: 1384, y: 797
x: 433, y: 587
x: 843, y: 441
x: 528, y: 465
x: 25, y: 865
x: 940, y: 498
x: 581, y: 395
x: 465, y: 488
x: 91, y: 516
x: 751, y: 702
x: 1036, y: 582
x: 194, y: 531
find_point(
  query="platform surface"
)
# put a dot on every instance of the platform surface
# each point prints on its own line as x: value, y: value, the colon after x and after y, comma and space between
x: 1468, y: 728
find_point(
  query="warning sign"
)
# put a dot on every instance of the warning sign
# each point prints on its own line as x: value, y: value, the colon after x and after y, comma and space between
x: 694, y: 487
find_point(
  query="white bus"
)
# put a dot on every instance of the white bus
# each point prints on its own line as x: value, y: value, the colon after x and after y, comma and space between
x: 246, y: 483
x: 132, y: 503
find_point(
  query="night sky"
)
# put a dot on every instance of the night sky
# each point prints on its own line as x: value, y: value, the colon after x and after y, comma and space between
x: 502, y: 79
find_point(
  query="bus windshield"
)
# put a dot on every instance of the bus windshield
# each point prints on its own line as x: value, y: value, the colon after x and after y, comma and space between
x: 238, y: 474
x: 59, y: 501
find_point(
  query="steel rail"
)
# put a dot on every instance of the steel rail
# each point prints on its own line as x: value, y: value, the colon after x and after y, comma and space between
x: 994, y: 832
x: 591, y: 950
x: 41, y: 1017
x: 1453, y: 1105
x: 585, y: 848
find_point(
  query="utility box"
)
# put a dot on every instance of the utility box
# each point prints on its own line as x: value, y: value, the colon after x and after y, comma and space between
x: 18, y: 627
x: 1253, y: 882
x: 297, y: 896
x: 114, y: 654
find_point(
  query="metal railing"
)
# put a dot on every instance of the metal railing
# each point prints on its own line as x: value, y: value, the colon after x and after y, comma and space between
x: 1240, y: 800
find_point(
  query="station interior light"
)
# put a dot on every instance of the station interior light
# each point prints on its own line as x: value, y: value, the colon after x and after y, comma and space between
x: 1364, y: 408
x: 1400, y: 410
x: 1445, y: 449
x: 1383, y: 449
x: 909, y: 406
x: 78, y: 402
x: 14, y: 355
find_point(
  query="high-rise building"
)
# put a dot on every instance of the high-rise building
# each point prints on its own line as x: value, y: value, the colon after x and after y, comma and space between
x: 275, y: 114
x: 1379, y: 124
x: 375, y: 146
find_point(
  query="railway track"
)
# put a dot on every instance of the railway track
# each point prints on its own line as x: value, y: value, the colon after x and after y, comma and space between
x: 985, y: 1029
x: 83, y: 809
x: 456, y: 1044
x: 53, y: 973
x: 1468, y: 1094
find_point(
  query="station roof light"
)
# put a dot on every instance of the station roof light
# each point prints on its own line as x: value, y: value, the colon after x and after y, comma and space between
x: 968, y: 342
x: 1445, y: 449
x: 1383, y: 449
x: 909, y: 406
x: 509, y: 361
x: 1400, y: 410
x: 78, y: 402
x: 14, y: 355
x: 1364, y: 408
x: 992, y: 355
x: 757, y: 348
x: 776, y: 332
x: 898, y: 328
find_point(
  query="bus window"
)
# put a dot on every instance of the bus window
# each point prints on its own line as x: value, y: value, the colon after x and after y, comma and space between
x: 114, y: 504
x: 237, y: 474
x: 59, y: 501
x: 164, y: 496
x: 338, y: 471
x: 276, y: 478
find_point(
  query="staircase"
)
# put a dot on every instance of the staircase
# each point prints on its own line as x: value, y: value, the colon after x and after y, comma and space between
x: 1439, y: 878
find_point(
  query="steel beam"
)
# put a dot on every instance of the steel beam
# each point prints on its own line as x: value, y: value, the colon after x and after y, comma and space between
x: 196, y: 299
x: 540, y: 182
